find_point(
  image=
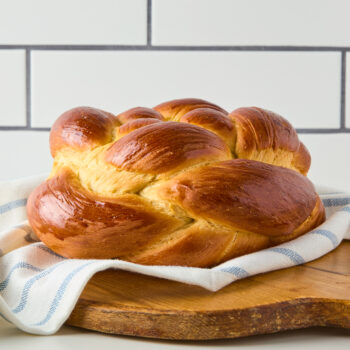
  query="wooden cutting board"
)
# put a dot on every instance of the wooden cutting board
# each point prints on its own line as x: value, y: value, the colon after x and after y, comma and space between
x: 315, y: 294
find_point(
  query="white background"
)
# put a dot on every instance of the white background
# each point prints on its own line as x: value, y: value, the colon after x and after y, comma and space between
x: 288, y: 56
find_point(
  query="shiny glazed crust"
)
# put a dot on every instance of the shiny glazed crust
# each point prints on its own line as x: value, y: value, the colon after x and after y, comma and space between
x: 184, y: 183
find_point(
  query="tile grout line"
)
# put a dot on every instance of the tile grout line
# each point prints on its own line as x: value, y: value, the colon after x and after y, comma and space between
x: 151, y: 47
x: 149, y: 23
x: 28, y: 89
x: 23, y: 128
x: 343, y: 91
x: 322, y: 131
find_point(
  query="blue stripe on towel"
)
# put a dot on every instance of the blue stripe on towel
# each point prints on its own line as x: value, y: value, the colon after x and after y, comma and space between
x: 12, y: 205
x: 29, y: 284
x: 330, y: 235
x: 329, y: 193
x: 346, y: 209
x: 60, y: 293
x: 235, y: 270
x: 20, y: 265
x: 335, y: 202
x: 291, y: 254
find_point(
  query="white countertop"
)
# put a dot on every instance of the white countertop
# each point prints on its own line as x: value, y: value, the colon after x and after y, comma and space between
x: 74, y: 338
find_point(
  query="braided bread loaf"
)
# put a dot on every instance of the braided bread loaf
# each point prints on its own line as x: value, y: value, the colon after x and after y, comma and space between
x: 184, y: 183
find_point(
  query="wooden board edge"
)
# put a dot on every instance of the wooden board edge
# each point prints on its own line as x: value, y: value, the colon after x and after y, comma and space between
x: 187, y: 325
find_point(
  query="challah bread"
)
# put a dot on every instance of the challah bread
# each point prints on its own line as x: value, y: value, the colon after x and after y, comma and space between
x: 184, y: 183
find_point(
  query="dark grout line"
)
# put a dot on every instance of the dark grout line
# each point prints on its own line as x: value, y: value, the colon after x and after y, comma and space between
x: 22, y: 128
x: 151, y: 47
x: 248, y: 48
x: 323, y: 131
x: 343, y: 90
x: 40, y: 129
x: 149, y: 23
x: 76, y: 47
x: 28, y: 88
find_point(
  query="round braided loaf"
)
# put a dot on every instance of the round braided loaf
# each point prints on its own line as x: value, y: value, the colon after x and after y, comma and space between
x: 184, y: 183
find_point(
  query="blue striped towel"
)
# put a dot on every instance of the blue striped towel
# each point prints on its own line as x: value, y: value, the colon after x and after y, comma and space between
x: 39, y: 289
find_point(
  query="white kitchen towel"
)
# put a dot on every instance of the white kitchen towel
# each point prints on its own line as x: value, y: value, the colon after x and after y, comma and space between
x: 39, y: 289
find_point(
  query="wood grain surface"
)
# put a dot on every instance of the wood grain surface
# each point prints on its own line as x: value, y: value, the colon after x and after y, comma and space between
x: 314, y: 294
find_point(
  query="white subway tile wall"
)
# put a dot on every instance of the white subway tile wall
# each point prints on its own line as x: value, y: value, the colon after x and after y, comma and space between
x: 330, y: 159
x: 73, y: 22
x: 12, y: 88
x: 115, y: 81
x: 251, y: 22
x: 24, y: 153
x: 289, y: 56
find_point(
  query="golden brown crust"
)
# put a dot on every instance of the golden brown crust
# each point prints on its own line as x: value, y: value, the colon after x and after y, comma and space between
x: 164, y: 147
x: 259, y: 130
x: 138, y: 112
x: 77, y: 224
x: 173, y: 110
x: 212, y: 120
x: 134, y: 124
x: 244, y: 194
x: 196, y: 246
x: 302, y: 159
x: 316, y: 218
x: 160, y: 186
x: 82, y: 128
